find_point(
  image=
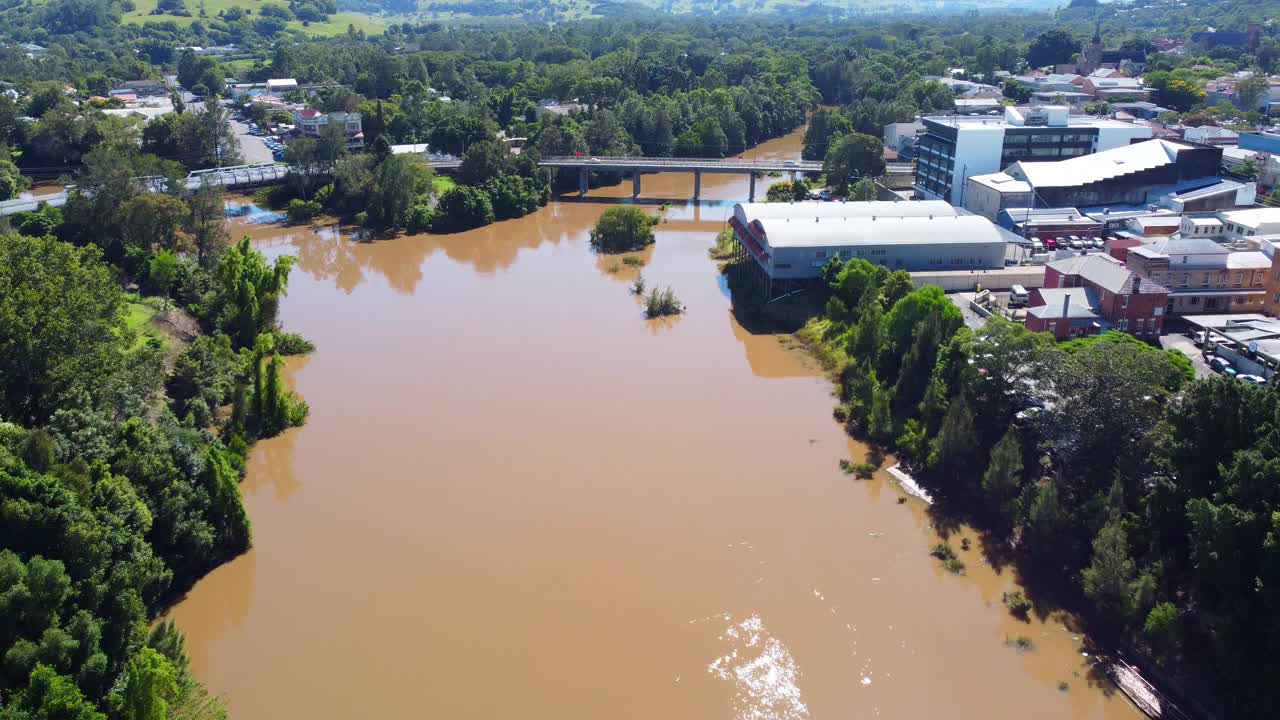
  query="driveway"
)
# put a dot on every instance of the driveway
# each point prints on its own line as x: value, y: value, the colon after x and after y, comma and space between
x: 1182, y: 343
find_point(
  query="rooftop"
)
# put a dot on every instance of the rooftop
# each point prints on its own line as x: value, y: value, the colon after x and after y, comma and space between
x: 1001, y: 182
x: 1030, y: 118
x: 1107, y: 273
x: 1099, y: 166
x: 1079, y: 303
x: 1182, y: 246
x: 746, y: 212
x: 851, y: 231
x: 1253, y: 217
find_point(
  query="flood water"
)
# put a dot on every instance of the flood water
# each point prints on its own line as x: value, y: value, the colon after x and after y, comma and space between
x: 516, y: 498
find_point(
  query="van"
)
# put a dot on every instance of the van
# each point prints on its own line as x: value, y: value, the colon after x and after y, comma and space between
x: 1018, y: 296
x: 1036, y: 245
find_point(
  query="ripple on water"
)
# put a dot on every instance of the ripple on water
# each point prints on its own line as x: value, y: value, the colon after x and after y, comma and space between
x: 763, y: 672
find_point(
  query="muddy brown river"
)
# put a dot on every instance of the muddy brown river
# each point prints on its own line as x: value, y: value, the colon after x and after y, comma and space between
x: 516, y: 498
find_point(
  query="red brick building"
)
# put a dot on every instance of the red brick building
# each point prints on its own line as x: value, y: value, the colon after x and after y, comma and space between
x: 1091, y: 293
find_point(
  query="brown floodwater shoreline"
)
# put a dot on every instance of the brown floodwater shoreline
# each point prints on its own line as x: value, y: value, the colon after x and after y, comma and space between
x: 515, y: 497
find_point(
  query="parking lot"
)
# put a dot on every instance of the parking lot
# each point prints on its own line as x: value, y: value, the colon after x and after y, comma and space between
x: 1185, y: 345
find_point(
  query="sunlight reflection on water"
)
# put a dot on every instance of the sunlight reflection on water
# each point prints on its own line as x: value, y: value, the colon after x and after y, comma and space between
x: 763, y: 671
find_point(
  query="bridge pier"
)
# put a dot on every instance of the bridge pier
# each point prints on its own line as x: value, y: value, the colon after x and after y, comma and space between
x: 582, y: 182
x: 697, y: 184
x: 635, y: 183
x: 751, y: 194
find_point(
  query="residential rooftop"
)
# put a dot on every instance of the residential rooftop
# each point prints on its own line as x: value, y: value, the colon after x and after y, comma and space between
x: 864, y: 230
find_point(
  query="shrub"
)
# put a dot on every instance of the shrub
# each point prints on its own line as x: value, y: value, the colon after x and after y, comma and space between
x: 1022, y: 643
x: 1018, y: 604
x: 943, y: 552
x: 662, y: 302
x: 862, y: 470
x: 292, y: 343
x: 955, y: 566
x: 419, y: 219
x: 637, y: 287
x: 302, y: 210
x: 623, y: 229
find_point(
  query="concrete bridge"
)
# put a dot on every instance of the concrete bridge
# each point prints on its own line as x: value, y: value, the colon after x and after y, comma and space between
x: 638, y: 166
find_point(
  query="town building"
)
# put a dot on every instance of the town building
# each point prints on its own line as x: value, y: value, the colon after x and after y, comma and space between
x: 1210, y: 135
x: 310, y: 122
x: 279, y: 85
x: 1058, y: 97
x: 1203, y: 275
x: 1088, y: 294
x: 953, y: 149
x: 1119, y: 89
x: 1095, y: 56
x: 1128, y: 175
x: 1266, y: 142
x: 1142, y: 110
x: 1251, y: 222
x: 987, y: 195
x: 1060, y: 224
x: 902, y: 137
x: 790, y: 243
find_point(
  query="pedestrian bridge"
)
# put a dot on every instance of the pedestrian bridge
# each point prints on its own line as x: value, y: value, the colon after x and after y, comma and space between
x: 229, y: 178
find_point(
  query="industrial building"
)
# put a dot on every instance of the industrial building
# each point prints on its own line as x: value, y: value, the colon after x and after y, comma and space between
x: 789, y: 243
x: 953, y: 149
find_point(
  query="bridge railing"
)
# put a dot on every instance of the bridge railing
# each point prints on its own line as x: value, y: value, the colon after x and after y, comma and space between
x: 679, y: 162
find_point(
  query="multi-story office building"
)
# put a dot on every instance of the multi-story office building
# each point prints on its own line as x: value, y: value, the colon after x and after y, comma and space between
x: 953, y: 149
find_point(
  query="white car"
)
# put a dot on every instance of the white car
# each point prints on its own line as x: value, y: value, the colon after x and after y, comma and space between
x: 1252, y: 379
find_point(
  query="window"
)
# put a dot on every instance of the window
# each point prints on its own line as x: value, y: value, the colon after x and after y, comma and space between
x: 846, y: 253
x: 1124, y: 302
x: 1053, y: 327
x: 1239, y: 279
x: 820, y: 253
x: 1122, y: 324
x: 782, y: 266
x: 1186, y: 277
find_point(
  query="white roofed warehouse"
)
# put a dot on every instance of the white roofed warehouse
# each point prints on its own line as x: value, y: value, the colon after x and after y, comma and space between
x: 788, y: 244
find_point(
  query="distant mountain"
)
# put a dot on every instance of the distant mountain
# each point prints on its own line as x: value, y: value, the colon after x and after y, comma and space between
x: 568, y: 9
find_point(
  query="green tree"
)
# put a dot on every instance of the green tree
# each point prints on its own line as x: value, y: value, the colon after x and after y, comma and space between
x: 1111, y: 580
x: 50, y: 696
x: 1052, y: 47
x: 462, y: 208
x: 851, y: 158
x: 61, y: 315
x: 249, y: 292
x: 162, y: 272
x: 1002, y: 481
x: 151, y: 684
x: 484, y: 161
x: 623, y: 229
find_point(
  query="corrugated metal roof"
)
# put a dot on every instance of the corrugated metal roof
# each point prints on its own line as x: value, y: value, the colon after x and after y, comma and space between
x: 1099, y: 166
x: 827, y: 232
x: 808, y: 210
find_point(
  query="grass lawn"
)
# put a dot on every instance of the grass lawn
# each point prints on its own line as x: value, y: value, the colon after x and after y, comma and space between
x: 140, y: 318
x: 443, y: 184
x: 335, y: 25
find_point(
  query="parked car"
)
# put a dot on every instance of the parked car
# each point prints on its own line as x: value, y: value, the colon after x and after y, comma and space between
x: 1097, y: 243
x: 1252, y: 379
x: 1051, y: 243
x: 1076, y: 244
x: 1222, y: 365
